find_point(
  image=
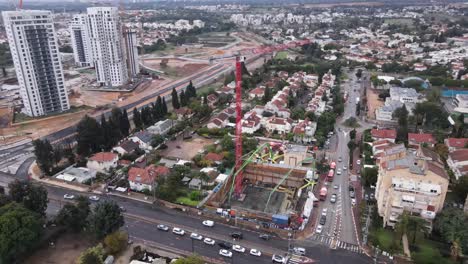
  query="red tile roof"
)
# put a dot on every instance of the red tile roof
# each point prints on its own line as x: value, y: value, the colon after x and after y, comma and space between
x: 103, y: 156
x: 147, y: 175
x: 383, y: 133
x: 456, y: 142
x: 421, y: 138
x: 257, y: 91
x: 459, y: 155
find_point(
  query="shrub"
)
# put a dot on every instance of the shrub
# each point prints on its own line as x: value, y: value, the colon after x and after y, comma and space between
x: 116, y: 242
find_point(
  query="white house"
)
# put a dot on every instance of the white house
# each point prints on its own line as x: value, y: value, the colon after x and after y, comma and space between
x: 458, y: 162
x: 278, y: 124
x: 405, y: 95
x: 144, y: 179
x: 304, y: 131
x: 102, y: 161
x: 162, y: 127
x: 143, y: 138
x: 385, y: 112
x: 127, y: 146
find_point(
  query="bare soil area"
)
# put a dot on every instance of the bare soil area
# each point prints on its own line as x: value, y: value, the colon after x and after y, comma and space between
x: 5, y: 117
x: 185, y: 149
x: 373, y: 102
x: 67, y: 249
x: 176, y: 67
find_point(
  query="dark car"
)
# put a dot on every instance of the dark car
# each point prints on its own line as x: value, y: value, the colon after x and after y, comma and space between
x: 265, y: 236
x: 237, y: 235
x: 225, y: 245
x: 323, y: 220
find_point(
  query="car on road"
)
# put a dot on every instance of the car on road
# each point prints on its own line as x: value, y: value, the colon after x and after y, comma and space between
x: 345, y: 168
x: 324, y: 211
x: 340, y: 159
x: 237, y: 235
x: 122, y: 209
x: 225, y: 245
x: 299, y: 251
x: 208, y: 241
x: 333, y: 198
x: 335, y: 186
x: 208, y: 223
x: 319, y: 228
x: 196, y: 236
x: 353, y: 202
x: 358, y: 162
x: 338, y: 171
x: 69, y: 196
x: 323, y: 220
x: 162, y: 227
x: 94, y: 198
x: 351, y: 194
x: 178, y: 231
x: 255, y: 252
x: 278, y: 259
x: 238, y: 248
x: 265, y: 236
x: 366, y: 197
x: 225, y: 253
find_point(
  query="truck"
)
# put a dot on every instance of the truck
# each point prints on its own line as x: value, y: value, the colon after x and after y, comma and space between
x: 323, y: 193
x: 281, y: 220
x: 357, y: 100
x: 330, y: 175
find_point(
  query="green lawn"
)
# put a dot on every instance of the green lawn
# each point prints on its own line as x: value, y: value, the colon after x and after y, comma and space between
x: 281, y: 55
x: 186, y: 201
x: 384, y: 238
x: 428, y: 253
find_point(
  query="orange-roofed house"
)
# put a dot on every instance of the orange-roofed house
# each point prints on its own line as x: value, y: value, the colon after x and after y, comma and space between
x: 145, y: 178
x: 456, y: 143
x: 415, y: 140
x: 384, y: 134
x: 102, y: 161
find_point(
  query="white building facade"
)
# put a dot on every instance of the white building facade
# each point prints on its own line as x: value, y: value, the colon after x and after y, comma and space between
x: 80, y: 41
x: 33, y: 44
x: 131, y: 48
x: 105, y: 32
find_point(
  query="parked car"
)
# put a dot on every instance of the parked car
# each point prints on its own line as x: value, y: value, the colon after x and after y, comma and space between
x: 324, y: 211
x: 94, y: 198
x: 323, y: 220
x: 351, y: 194
x: 333, y: 198
x: 345, y: 168
x: 366, y: 197
x: 178, y: 231
x: 353, y: 202
x: 255, y: 252
x: 208, y: 223
x: 225, y: 253
x: 196, y: 236
x: 358, y: 162
x: 338, y: 171
x: 209, y: 241
x: 237, y: 235
x: 265, y: 236
x: 225, y: 245
x: 318, y: 230
x: 162, y: 227
x: 340, y: 159
x: 69, y: 196
x: 278, y: 259
x: 122, y: 209
x: 238, y: 248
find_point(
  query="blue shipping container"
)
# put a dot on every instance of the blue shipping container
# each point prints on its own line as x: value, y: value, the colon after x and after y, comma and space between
x: 280, y: 219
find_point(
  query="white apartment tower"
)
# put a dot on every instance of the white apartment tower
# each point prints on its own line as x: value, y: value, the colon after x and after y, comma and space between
x: 131, y: 48
x: 34, y: 49
x: 105, y: 34
x: 80, y: 41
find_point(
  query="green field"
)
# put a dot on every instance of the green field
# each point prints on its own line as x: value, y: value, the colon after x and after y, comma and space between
x: 399, y: 21
x: 281, y: 55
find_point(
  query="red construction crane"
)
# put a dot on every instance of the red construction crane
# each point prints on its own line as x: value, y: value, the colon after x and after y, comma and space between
x: 238, y: 138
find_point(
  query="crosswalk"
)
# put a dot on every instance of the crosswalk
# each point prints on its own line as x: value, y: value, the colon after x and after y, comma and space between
x: 327, y: 240
x: 296, y: 259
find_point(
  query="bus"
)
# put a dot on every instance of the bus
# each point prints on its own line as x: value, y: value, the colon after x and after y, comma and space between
x: 330, y: 175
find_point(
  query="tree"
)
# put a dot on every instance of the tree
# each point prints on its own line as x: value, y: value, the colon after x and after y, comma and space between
x: 116, y: 242
x: 137, y: 119
x: 190, y: 90
x: 190, y: 260
x: 352, y: 134
x: 44, y: 155
x: 32, y: 197
x: 124, y: 124
x: 183, y: 99
x: 227, y: 143
x: 164, y: 106
x: 266, y: 95
x: 359, y: 73
x: 369, y: 176
x: 74, y: 216
x: 20, y: 231
x: 157, y: 140
x: 93, y: 255
x: 105, y: 219
x: 451, y: 225
x: 402, y: 131
x: 89, y: 137
x: 106, y: 133
x: 175, y: 99
x: 460, y: 188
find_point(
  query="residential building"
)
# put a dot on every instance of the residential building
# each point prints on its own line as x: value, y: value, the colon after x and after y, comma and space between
x: 458, y: 162
x: 145, y: 179
x: 34, y: 50
x: 131, y: 48
x: 105, y: 33
x: 80, y: 41
x: 183, y: 113
x: 415, y: 140
x: 385, y: 112
x: 304, y: 131
x: 405, y: 95
x: 456, y: 143
x: 257, y: 93
x: 384, y: 134
x: 102, y: 161
x: 461, y: 103
x: 415, y: 183
x: 279, y: 125
x: 80, y: 175
x: 212, y: 100
x: 251, y: 122
x: 162, y: 127
x: 126, y: 147
x: 143, y: 138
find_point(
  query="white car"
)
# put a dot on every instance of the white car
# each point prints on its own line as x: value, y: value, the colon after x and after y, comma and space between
x: 94, y: 198
x: 335, y: 187
x: 345, y: 168
x: 196, y: 236
x: 208, y: 223
x: 358, y: 162
x: 353, y: 202
x: 209, y: 241
x: 338, y: 172
x: 319, y: 228
x: 278, y: 259
x: 69, y: 196
x: 238, y: 248
x: 255, y: 252
x: 225, y: 253
x: 324, y: 211
x: 178, y: 231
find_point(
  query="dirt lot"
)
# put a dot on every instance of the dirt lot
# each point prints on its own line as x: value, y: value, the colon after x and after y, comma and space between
x: 373, y: 102
x: 185, y: 149
x: 5, y: 117
x: 66, y: 251
x: 176, y: 67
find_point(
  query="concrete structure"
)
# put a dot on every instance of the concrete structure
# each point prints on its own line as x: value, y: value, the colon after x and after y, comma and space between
x: 458, y: 162
x: 415, y: 183
x: 102, y: 161
x: 405, y: 95
x: 161, y: 127
x: 105, y: 32
x: 461, y: 103
x: 80, y: 175
x: 80, y: 41
x: 34, y: 50
x: 385, y: 112
x: 295, y: 155
x: 304, y: 131
x: 131, y: 48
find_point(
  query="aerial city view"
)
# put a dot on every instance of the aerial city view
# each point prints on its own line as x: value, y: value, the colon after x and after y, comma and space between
x: 217, y: 131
